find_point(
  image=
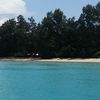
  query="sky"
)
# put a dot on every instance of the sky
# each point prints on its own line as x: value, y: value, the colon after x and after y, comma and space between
x: 38, y: 8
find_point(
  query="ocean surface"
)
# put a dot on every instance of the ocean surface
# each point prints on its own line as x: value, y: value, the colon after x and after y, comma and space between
x: 49, y: 81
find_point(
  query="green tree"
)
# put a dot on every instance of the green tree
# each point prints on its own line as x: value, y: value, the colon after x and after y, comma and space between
x: 52, y: 28
x: 21, y: 34
x: 7, y: 38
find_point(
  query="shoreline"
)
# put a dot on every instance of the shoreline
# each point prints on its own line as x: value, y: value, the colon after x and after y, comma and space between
x: 53, y: 59
x: 71, y: 60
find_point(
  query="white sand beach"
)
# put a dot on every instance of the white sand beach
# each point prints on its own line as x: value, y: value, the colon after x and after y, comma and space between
x: 71, y: 60
x: 53, y: 60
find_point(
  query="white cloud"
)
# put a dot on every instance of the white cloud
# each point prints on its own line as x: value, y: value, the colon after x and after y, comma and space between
x: 12, y: 8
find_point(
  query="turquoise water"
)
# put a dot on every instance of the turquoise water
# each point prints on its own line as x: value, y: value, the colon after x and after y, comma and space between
x: 49, y: 81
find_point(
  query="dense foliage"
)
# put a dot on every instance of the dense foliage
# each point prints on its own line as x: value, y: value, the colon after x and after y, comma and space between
x: 55, y: 36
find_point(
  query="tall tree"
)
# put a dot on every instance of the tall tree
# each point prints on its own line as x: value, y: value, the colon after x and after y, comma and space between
x: 52, y: 28
x: 22, y: 31
x: 7, y: 38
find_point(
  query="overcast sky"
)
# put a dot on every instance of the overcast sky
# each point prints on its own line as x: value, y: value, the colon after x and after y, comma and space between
x: 39, y: 8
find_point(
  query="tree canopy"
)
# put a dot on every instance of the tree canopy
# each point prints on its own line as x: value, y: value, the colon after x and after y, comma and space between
x: 55, y: 36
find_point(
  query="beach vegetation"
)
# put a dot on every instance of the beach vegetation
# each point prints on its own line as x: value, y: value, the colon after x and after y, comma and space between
x: 56, y: 36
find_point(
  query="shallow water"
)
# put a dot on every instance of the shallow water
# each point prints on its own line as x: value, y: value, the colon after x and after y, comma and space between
x: 49, y: 81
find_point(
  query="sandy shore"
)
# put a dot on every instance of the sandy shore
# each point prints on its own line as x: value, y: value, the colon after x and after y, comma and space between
x: 53, y: 60
x: 71, y: 60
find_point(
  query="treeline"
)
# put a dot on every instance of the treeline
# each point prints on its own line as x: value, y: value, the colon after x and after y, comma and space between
x: 55, y: 36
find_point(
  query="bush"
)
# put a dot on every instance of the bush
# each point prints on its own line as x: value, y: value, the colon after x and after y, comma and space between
x: 67, y: 52
x: 97, y: 54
